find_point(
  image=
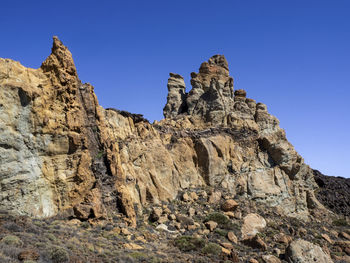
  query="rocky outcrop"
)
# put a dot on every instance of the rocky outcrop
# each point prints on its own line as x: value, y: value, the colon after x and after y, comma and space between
x: 63, y: 153
x: 51, y: 139
x: 302, y: 251
x: 176, y: 103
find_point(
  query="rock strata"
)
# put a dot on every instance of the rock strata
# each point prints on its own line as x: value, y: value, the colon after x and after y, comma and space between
x: 62, y: 153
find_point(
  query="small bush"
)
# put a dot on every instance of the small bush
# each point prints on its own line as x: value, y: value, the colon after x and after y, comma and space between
x: 221, y: 232
x: 223, y: 221
x: 218, y: 218
x: 58, y: 254
x: 12, y: 240
x: 340, y: 222
x: 187, y: 243
x: 212, y: 249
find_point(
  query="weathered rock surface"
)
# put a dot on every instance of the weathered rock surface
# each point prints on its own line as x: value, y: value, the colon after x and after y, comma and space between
x: 63, y: 153
x: 301, y: 251
x: 252, y: 225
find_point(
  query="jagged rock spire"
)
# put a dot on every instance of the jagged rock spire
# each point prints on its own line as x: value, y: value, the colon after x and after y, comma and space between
x: 176, y: 96
x: 60, y: 62
x: 211, y: 96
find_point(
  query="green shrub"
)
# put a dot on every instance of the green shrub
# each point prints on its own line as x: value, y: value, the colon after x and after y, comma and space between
x: 340, y: 222
x: 223, y: 221
x: 58, y: 254
x: 221, y: 232
x: 218, y: 218
x: 212, y: 249
x: 12, y: 240
x: 188, y: 243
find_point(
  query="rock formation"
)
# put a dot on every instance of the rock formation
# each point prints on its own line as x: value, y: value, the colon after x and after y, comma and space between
x: 64, y: 156
x: 63, y: 153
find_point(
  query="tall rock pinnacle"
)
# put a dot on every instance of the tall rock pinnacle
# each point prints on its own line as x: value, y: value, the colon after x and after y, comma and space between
x: 60, y: 63
x: 211, y: 96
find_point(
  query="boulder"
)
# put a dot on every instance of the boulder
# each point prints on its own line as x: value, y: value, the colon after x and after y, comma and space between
x: 252, y: 225
x: 302, y: 251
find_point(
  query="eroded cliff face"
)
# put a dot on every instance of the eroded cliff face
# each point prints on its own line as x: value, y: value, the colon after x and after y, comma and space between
x: 63, y: 153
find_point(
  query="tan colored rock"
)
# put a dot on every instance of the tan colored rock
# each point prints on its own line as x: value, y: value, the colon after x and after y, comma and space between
x: 229, y: 205
x: 327, y: 238
x: 125, y: 231
x: 270, y: 259
x: 301, y: 251
x: 191, y: 211
x: 252, y: 224
x: 132, y: 246
x: 215, y: 197
x: 255, y: 242
x: 232, y: 237
x: 345, y: 235
x: 211, y: 225
x: 253, y: 260
x: 282, y: 238
x: 230, y: 214
x: 186, y: 197
x: 225, y: 251
x: 228, y: 246
x: 194, y: 196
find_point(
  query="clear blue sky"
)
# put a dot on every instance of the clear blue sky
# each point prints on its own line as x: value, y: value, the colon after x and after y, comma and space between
x: 292, y: 55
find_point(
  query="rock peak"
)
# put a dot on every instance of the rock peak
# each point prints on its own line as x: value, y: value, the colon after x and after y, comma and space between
x: 219, y: 60
x: 211, y: 96
x: 60, y: 62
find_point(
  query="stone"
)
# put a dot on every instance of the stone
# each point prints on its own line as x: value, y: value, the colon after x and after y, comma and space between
x: 253, y: 260
x: 302, y: 251
x: 229, y: 205
x: 282, y: 238
x: 132, y: 246
x: 191, y: 212
x: 230, y: 214
x: 214, y: 197
x: 156, y: 214
x: 186, y: 197
x: 252, y: 224
x: 125, y: 231
x: 163, y: 219
x: 270, y: 259
x: 184, y: 220
x: 345, y: 235
x: 211, y: 225
x: 255, y: 242
x: 327, y: 238
x: 164, y: 227
x: 225, y: 251
x: 194, y: 196
x: 232, y: 237
x: 227, y: 245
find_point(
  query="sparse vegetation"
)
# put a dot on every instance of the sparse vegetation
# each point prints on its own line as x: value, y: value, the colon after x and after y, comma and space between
x: 212, y: 249
x: 188, y: 243
x: 340, y: 222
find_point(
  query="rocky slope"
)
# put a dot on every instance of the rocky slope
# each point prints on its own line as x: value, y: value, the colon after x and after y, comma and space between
x: 63, y: 155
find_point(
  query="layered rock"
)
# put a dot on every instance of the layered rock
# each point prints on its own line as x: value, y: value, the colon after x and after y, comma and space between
x: 62, y: 152
x: 176, y: 103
